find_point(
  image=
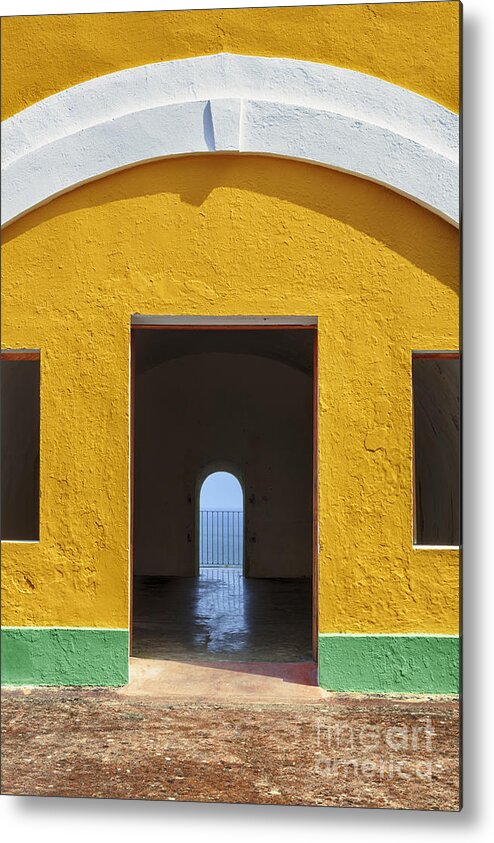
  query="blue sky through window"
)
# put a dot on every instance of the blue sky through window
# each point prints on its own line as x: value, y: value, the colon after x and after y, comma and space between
x: 221, y: 490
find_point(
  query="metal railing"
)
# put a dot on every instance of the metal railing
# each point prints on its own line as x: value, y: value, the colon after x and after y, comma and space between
x: 221, y: 537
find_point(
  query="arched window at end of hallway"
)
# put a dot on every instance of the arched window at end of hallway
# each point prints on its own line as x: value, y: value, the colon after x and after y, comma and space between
x: 220, y: 521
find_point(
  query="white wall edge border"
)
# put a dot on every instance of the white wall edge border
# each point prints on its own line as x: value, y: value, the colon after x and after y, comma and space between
x: 389, y: 635
x: 63, y: 626
x: 225, y: 103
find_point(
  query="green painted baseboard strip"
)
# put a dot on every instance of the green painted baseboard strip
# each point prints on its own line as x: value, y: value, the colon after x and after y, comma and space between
x: 64, y: 656
x: 413, y: 664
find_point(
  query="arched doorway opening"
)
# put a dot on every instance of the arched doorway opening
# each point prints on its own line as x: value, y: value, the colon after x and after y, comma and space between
x: 220, y: 525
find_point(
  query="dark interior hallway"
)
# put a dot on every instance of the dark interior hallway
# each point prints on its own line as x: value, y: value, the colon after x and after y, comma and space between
x: 209, y: 401
x: 221, y: 615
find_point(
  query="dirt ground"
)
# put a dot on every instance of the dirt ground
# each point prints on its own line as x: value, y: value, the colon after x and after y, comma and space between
x: 347, y: 750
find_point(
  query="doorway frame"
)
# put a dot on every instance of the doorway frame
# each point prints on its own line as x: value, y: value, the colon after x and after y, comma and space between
x: 140, y: 322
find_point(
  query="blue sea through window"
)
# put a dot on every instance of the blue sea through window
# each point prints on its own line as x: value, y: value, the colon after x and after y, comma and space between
x: 221, y: 526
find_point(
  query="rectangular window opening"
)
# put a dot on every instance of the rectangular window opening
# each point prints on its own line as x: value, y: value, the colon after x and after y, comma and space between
x: 20, y: 433
x: 436, y: 423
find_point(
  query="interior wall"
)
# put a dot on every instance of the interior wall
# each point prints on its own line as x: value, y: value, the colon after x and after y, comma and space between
x: 249, y: 412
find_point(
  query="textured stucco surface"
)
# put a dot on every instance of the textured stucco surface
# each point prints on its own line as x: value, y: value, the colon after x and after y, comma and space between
x: 407, y: 664
x: 232, y: 235
x: 65, y: 656
x: 45, y: 54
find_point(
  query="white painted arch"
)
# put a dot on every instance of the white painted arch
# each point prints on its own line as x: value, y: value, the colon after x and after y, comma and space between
x: 225, y: 103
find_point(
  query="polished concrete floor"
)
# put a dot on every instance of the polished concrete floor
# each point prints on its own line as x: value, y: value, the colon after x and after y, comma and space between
x: 222, y: 616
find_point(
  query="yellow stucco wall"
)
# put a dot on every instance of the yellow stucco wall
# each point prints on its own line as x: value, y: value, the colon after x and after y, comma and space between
x: 411, y: 44
x: 232, y: 235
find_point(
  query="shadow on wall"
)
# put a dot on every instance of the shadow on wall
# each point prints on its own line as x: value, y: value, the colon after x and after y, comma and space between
x: 399, y: 223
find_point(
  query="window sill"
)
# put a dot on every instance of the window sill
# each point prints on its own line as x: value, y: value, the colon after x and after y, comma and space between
x: 20, y: 541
